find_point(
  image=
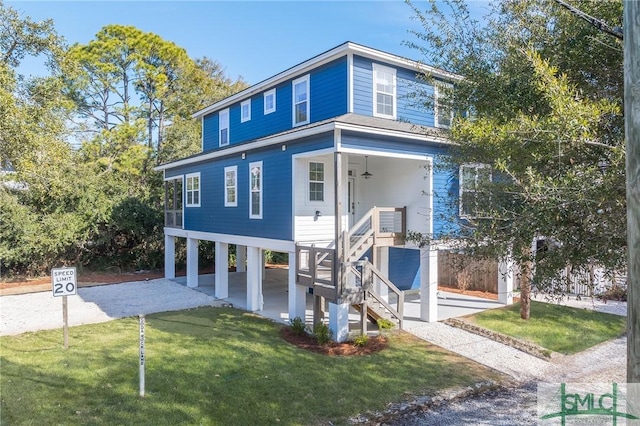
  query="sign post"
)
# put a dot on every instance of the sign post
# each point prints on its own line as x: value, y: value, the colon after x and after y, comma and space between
x: 142, y: 359
x: 64, y: 284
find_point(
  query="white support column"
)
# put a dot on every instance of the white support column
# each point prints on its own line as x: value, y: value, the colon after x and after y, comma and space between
x: 254, y: 279
x: 264, y: 264
x: 429, y: 284
x: 505, y: 281
x: 192, y: 262
x: 339, y: 321
x: 297, y: 293
x: 241, y: 258
x: 222, y: 271
x: 169, y: 257
x: 383, y: 266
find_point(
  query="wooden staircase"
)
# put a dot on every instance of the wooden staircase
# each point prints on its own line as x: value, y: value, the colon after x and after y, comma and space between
x: 353, y: 278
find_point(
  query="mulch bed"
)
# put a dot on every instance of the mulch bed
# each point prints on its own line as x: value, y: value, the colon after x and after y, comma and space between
x: 308, y: 342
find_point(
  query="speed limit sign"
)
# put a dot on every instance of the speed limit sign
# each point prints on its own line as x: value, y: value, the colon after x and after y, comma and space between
x: 64, y: 282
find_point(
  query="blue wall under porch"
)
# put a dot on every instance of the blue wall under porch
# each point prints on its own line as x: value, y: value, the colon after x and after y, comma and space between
x: 404, y: 268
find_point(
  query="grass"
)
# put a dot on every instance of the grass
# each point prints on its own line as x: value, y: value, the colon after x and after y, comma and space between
x: 210, y: 366
x: 558, y: 328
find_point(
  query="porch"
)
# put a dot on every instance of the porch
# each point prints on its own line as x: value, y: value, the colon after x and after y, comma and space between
x: 275, y: 298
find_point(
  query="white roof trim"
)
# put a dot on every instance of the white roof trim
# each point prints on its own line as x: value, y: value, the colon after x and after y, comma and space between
x: 323, y: 58
x: 237, y: 149
x: 274, y: 140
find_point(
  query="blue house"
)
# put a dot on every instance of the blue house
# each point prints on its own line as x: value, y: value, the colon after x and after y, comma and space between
x: 330, y: 161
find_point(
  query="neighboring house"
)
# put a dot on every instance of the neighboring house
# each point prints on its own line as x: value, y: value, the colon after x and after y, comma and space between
x: 330, y: 161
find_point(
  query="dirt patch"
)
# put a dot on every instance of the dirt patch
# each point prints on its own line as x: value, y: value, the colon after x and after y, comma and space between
x: 476, y: 293
x: 374, y: 344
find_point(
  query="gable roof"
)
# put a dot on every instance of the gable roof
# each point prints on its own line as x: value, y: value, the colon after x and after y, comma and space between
x: 321, y: 59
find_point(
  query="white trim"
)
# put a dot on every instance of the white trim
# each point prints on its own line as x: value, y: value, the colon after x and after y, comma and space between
x: 384, y: 153
x: 350, y: 83
x: 194, y: 191
x: 201, y: 134
x: 436, y: 97
x: 315, y: 130
x: 228, y: 203
x: 377, y: 68
x: 294, y: 83
x: 260, y: 191
x: 266, y: 94
x: 476, y: 167
x: 264, y: 243
x: 260, y: 143
x: 316, y: 153
x: 430, y: 192
x: 242, y: 105
x: 393, y: 133
x: 317, y: 61
x: 223, y: 119
x: 309, y: 181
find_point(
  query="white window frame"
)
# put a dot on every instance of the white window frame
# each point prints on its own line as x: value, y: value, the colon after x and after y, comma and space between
x: 223, y: 121
x: 310, y: 181
x: 437, y: 95
x: 190, y: 191
x: 462, y: 189
x: 227, y: 187
x: 294, y: 102
x: 252, y: 190
x: 267, y: 94
x: 245, y: 106
x: 381, y: 69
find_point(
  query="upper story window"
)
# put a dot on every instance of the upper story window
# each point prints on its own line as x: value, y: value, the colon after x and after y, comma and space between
x: 255, y: 190
x: 316, y: 181
x: 269, y: 101
x: 224, y: 127
x: 442, y: 107
x: 193, y: 190
x: 474, y: 179
x: 231, y: 186
x: 245, y: 111
x: 384, y: 91
x: 301, y: 101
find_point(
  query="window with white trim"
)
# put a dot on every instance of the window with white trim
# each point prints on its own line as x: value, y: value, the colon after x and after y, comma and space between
x: 193, y: 190
x: 443, y: 113
x: 384, y: 91
x: 316, y: 181
x: 231, y: 186
x: 269, y: 101
x: 301, y: 100
x: 255, y: 190
x: 224, y: 127
x: 474, y: 179
x: 245, y: 110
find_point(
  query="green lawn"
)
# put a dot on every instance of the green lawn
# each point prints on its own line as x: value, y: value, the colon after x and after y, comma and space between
x: 210, y: 366
x: 558, y: 328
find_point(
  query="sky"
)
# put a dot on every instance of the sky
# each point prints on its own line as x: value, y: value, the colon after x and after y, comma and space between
x: 250, y: 39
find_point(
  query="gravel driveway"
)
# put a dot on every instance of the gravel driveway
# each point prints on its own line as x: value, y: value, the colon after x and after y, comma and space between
x: 42, y: 311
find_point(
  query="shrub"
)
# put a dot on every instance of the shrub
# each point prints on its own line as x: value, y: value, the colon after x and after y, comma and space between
x: 615, y: 292
x: 322, y: 333
x: 298, y: 326
x: 384, y: 324
x: 361, y: 340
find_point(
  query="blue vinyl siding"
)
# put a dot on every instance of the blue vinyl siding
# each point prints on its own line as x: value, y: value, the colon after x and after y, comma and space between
x: 276, y: 223
x: 404, y: 268
x: 327, y: 96
x: 406, y: 84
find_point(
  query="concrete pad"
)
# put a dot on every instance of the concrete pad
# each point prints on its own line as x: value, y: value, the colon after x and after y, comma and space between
x: 275, y: 292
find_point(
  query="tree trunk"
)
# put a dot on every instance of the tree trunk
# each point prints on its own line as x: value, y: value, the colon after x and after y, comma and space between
x: 525, y: 284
